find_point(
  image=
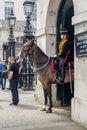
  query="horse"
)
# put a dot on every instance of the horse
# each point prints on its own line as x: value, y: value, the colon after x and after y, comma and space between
x: 42, y: 63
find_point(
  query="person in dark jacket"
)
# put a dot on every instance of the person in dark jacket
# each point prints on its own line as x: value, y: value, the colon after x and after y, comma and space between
x: 63, y: 47
x: 13, y: 78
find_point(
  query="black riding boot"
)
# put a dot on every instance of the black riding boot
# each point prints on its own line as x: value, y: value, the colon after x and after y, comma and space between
x: 57, y: 74
x: 62, y: 75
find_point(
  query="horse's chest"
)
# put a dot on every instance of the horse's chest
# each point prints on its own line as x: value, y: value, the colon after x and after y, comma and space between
x: 40, y: 77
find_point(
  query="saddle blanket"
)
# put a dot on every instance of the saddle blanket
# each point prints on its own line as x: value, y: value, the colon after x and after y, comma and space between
x: 54, y: 66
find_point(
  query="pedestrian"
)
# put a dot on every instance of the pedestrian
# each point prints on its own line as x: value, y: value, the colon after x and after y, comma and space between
x: 63, y: 54
x: 4, y: 73
x: 13, y: 78
x: 1, y: 68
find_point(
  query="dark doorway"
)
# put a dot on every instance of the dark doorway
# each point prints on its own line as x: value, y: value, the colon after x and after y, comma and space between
x: 64, y: 20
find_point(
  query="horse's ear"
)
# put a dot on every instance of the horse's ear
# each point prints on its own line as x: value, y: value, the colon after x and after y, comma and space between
x: 28, y: 44
x: 33, y: 40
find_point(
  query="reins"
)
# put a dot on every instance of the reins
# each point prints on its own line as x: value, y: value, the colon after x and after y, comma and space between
x: 42, y: 67
x: 38, y: 69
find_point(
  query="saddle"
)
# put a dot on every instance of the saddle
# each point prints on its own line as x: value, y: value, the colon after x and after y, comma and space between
x: 68, y: 66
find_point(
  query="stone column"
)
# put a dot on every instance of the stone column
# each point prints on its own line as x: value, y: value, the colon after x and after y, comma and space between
x: 46, y: 35
x: 79, y: 102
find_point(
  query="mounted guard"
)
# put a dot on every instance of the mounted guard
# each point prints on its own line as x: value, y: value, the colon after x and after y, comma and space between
x: 63, y: 55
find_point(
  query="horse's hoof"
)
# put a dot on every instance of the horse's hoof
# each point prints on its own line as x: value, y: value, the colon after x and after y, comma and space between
x: 43, y: 108
x: 49, y: 110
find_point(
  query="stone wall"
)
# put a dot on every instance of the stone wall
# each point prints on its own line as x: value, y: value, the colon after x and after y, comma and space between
x: 79, y: 102
x: 46, y: 39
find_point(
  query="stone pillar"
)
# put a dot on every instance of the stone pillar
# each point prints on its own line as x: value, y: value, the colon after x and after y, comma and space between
x: 79, y: 102
x: 46, y: 36
x: 47, y: 43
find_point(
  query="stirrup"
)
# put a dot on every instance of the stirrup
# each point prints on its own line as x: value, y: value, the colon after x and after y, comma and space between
x: 59, y: 81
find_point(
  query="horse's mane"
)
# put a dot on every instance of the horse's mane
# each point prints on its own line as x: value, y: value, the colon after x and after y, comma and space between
x: 39, y: 55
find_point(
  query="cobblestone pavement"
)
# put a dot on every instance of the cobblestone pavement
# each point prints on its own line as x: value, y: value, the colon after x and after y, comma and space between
x: 27, y: 114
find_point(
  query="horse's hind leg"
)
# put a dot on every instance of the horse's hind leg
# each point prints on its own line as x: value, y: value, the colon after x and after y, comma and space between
x: 45, y: 96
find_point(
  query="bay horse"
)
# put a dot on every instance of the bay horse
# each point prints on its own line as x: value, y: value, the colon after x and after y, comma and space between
x: 42, y: 63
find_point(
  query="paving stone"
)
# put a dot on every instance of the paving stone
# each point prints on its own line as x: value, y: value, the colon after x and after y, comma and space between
x: 27, y: 114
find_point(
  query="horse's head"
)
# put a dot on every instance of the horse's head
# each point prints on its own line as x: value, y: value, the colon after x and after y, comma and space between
x: 27, y: 49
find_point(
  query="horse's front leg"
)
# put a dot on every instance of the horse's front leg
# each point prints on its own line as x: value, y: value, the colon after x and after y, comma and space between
x: 49, y: 110
x: 45, y: 99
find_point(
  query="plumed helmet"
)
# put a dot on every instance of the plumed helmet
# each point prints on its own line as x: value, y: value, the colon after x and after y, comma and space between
x: 63, y: 31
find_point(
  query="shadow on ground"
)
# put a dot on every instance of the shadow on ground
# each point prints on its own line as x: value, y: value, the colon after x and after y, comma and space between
x: 29, y: 107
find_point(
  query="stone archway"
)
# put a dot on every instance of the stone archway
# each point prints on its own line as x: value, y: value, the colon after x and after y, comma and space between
x: 60, y: 12
x: 47, y: 27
